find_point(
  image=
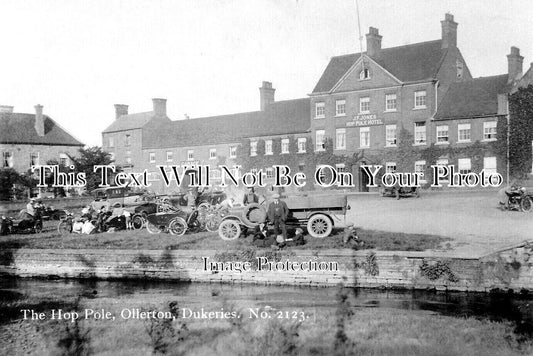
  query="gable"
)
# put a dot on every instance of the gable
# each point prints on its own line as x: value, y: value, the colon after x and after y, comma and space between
x: 379, y: 77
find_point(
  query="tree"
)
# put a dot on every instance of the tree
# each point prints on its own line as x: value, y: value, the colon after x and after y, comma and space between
x: 88, y: 158
x: 14, y: 184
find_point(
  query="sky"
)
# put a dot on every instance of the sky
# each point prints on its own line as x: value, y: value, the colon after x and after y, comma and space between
x: 78, y: 58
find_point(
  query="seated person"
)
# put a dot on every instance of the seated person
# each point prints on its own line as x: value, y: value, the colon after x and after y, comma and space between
x: 4, y: 226
x: 88, y: 227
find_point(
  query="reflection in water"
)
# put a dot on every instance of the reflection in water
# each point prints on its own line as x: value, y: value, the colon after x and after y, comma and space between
x: 498, y: 307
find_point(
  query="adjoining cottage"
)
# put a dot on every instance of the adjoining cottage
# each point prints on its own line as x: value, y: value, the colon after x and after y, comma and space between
x: 31, y: 139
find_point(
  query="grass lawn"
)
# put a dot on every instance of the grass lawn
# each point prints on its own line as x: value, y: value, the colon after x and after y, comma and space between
x: 141, y: 239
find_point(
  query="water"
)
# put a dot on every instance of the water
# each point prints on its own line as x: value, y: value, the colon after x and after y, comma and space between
x: 498, y: 307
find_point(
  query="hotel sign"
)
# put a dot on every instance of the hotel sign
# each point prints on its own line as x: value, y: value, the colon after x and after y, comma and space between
x: 364, y: 120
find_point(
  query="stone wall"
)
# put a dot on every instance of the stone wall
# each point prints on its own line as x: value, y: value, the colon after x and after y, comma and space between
x: 508, y: 269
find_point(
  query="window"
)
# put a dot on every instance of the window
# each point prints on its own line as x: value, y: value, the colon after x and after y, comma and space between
x: 111, y: 141
x: 364, y: 137
x: 442, y: 134
x: 340, y: 167
x: 420, y: 99
x: 253, y: 148
x: 489, y: 165
x: 128, y: 157
x: 465, y: 165
x: 420, y: 167
x: 390, y: 102
x: 127, y: 140
x: 463, y: 131
x: 340, y: 107
x: 364, y: 105
x: 459, y: 66
x: 232, y: 151
x: 269, y: 173
x: 215, y: 173
x: 340, y: 139
x: 169, y: 156
x: 34, y: 159
x: 190, y: 155
x: 8, y: 160
x: 152, y: 157
x: 420, y: 133
x: 285, y: 145
x: 320, y: 110
x: 390, y: 135
x: 301, y: 167
x: 212, y: 153
x: 302, y: 143
x: 64, y: 160
x: 489, y: 131
x: 390, y: 167
x: 364, y: 74
x: 268, y: 147
x: 319, y: 140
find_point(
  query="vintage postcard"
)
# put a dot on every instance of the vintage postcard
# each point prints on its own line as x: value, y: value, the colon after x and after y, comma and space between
x: 266, y: 177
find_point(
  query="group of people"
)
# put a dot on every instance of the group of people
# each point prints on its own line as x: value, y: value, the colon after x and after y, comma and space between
x: 102, y: 220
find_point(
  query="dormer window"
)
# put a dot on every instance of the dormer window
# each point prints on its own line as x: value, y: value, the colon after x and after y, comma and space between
x: 365, y: 74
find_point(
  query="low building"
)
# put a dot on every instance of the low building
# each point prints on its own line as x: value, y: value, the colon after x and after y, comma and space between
x: 32, y: 139
x: 147, y: 140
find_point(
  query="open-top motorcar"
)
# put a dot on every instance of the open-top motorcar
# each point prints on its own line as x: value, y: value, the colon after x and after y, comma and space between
x: 319, y: 214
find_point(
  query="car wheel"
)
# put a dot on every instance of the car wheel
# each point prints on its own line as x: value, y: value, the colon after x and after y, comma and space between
x: 137, y: 221
x: 229, y: 229
x: 177, y: 226
x: 64, y: 227
x: 319, y: 226
x: 212, y: 223
x: 153, y: 229
x: 526, y: 204
x: 254, y: 214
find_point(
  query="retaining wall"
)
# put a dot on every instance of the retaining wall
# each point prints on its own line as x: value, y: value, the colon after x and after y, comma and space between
x: 510, y: 268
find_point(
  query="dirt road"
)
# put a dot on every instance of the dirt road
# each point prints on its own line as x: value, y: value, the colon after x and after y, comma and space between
x: 472, y: 219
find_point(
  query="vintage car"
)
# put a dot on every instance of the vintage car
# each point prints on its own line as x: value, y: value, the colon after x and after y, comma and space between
x: 318, y: 214
x: 118, y: 196
x: 400, y: 192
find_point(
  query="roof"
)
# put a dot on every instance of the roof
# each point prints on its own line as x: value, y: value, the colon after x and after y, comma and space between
x: 408, y: 63
x: 130, y: 122
x: 471, y: 98
x: 282, y: 117
x: 17, y: 128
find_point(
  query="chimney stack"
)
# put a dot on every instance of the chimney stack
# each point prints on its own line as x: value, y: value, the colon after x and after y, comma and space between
x: 120, y: 110
x: 39, y: 120
x: 514, y: 64
x: 449, y: 31
x: 160, y: 106
x: 266, y: 95
x: 373, y: 41
x: 6, y: 109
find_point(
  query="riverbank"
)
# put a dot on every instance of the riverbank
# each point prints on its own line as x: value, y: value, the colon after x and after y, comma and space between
x: 510, y: 268
x: 362, y: 321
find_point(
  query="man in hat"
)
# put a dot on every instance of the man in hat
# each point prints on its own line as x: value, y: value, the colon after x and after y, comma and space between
x: 250, y: 197
x: 277, y: 215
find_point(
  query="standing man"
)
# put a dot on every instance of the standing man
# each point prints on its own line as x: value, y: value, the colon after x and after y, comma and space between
x: 250, y: 197
x: 277, y: 214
